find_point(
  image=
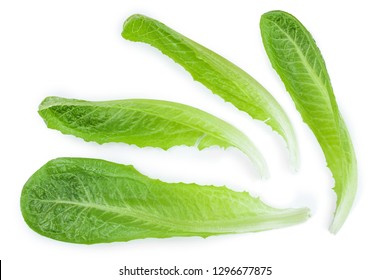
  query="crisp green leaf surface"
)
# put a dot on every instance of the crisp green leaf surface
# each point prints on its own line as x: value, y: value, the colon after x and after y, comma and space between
x: 145, y: 122
x: 90, y: 201
x: 299, y: 63
x: 218, y: 74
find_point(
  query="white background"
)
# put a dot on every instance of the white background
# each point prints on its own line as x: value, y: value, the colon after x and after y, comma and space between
x: 74, y: 49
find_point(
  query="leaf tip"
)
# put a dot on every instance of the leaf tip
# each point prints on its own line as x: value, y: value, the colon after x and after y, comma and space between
x: 132, y: 25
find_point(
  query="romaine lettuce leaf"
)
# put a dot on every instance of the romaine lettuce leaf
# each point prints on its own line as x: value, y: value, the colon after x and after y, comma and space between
x: 145, y: 123
x: 298, y: 61
x: 90, y: 201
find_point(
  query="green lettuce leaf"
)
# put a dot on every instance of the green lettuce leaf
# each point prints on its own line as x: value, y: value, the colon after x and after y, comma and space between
x: 90, y: 201
x: 218, y: 74
x: 298, y: 61
x: 145, y: 123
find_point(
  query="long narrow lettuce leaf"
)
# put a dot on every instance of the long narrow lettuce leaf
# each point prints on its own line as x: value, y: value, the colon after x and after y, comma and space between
x: 299, y: 63
x: 218, y: 74
x: 145, y: 122
x: 94, y: 201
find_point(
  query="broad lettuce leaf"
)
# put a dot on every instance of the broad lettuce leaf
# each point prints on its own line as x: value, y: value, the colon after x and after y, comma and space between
x: 90, y: 201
